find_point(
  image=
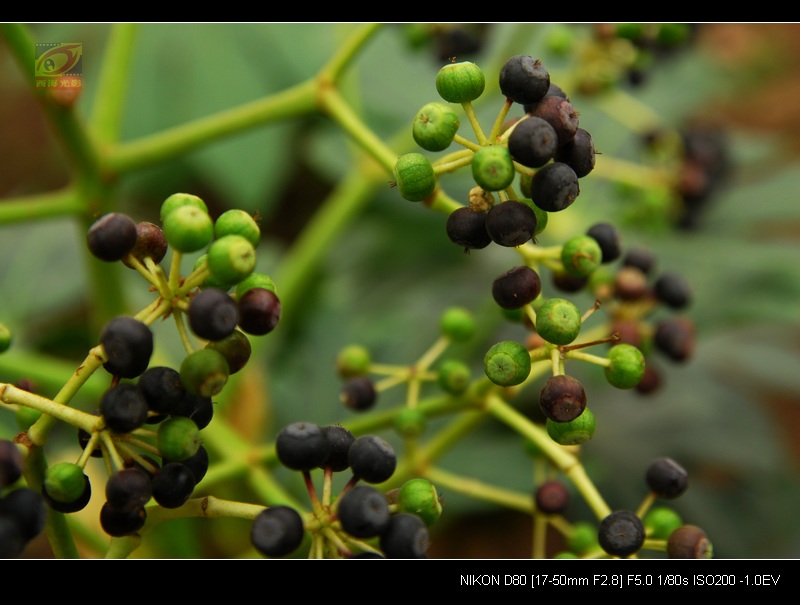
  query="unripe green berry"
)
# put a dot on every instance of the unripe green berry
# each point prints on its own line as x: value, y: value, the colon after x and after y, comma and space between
x: 255, y: 280
x: 181, y: 199
x: 583, y: 538
x: 419, y: 497
x: 6, y: 338
x: 64, y: 481
x: 581, y: 255
x: 231, y: 258
x: 541, y: 215
x: 204, y: 372
x: 460, y: 82
x: 178, y: 438
x: 414, y: 175
x: 238, y: 222
x: 353, y: 360
x: 493, y: 168
x: 454, y: 376
x: 575, y: 432
x: 457, y: 324
x: 627, y: 366
x: 210, y: 281
x: 661, y: 521
x: 188, y: 228
x: 558, y: 321
x: 434, y: 126
x: 410, y: 422
x: 507, y: 363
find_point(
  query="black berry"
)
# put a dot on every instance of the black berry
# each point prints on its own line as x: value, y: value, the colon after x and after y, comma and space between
x: 213, y: 314
x: 372, y: 459
x: 524, y: 79
x: 359, y: 393
x: 173, y: 484
x: 579, y: 154
x: 128, y: 345
x: 511, y: 223
x: 467, y: 228
x: 609, y: 239
x: 364, y: 512
x: 672, y: 290
x: 562, y: 398
x: 111, y: 237
x: 406, y: 537
x: 302, y: 446
x: 277, y: 531
x: 554, y: 187
x: 340, y: 440
x: 621, y: 533
x: 259, y: 311
x: 516, y: 287
x: 666, y: 478
x: 124, y: 408
x: 533, y: 142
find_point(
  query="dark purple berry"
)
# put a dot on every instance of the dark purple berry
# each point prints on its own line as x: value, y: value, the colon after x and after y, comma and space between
x: 554, y: 187
x: 372, y: 459
x: 562, y: 399
x: 561, y: 115
x: 666, y: 478
x: 689, y: 542
x: 10, y: 463
x: 552, y: 497
x: 363, y: 511
x: 524, y: 79
x: 675, y: 338
x: 128, y: 346
x: 162, y: 388
x: 27, y: 508
x: 406, y: 537
x: 277, y: 531
x: 621, y: 533
x: 111, y: 237
x: 359, y: 393
x: 302, y: 446
x: 533, y: 142
x: 213, y: 314
x: 128, y: 488
x: 467, y: 228
x: 579, y: 154
x: 173, y: 484
x: 197, y: 463
x: 511, y: 223
x: 641, y: 258
x: 150, y: 243
x: 259, y: 311
x: 235, y: 348
x: 340, y: 440
x: 124, y: 407
x: 672, y: 290
x: 516, y: 287
x: 609, y: 239
x: 118, y: 522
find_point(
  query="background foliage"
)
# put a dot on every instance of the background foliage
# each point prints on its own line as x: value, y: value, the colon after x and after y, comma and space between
x: 730, y: 414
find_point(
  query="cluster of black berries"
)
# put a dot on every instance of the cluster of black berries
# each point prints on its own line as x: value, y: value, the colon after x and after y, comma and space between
x: 549, y: 141
x: 22, y: 510
x: 361, y: 511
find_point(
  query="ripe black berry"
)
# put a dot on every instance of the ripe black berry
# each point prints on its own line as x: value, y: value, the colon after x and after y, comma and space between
x: 641, y: 258
x: 621, y: 533
x: 516, y: 287
x: 561, y: 115
x: 277, y: 531
x: 124, y: 407
x: 467, y: 227
x: 524, y: 79
x: 128, y: 488
x: 259, y: 311
x: 162, y: 388
x: 364, y: 512
x: 533, y: 142
x: 173, y: 484
x: 28, y: 510
x: 406, y: 537
x: 359, y: 393
x: 128, y: 345
x: 302, y: 446
x: 111, y: 237
x: 372, y: 459
x: 117, y: 522
x: 675, y: 338
x: 235, y: 348
x: 552, y: 497
x: 666, y: 478
x: 554, y: 187
x: 579, y: 154
x: 672, y: 290
x: 197, y: 463
x: 562, y: 398
x: 511, y: 223
x: 340, y: 440
x: 10, y: 463
x: 213, y: 314
x: 608, y: 236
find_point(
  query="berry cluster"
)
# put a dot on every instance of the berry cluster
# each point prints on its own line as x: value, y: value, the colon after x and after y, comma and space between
x: 362, y: 522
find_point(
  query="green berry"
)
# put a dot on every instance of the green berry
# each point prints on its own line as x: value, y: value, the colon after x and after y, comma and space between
x: 188, y: 228
x: 575, y: 432
x: 507, y: 363
x: 419, y: 497
x: 583, y: 538
x: 178, y: 438
x: 558, y: 321
x: 627, y: 366
x: 204, y: 372
x: 231, y: 258
x: 434, y: 126
x: 64, y: 481
x: 541, y: 215
x: 353, y: 360
x: 235, y: 348
x: 460, y: 82
x: 457, y: 324
x: 581, y: 255
x: 255, y: 280
x: 454, y: 376
x: 410, y: 422
x: 414, y: 175
x: 181, y: 199
x: 210, y: 281
x: 493, y: 168
x: 238, y: 222
x: 661, y: 521
x: 6, y: 338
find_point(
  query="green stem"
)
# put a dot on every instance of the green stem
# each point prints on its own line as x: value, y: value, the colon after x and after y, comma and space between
x: 479, y: 490
x: 53, y: 204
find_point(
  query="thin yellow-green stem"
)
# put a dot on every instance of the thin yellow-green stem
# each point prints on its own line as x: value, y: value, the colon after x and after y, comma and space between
x: 112, y: 82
